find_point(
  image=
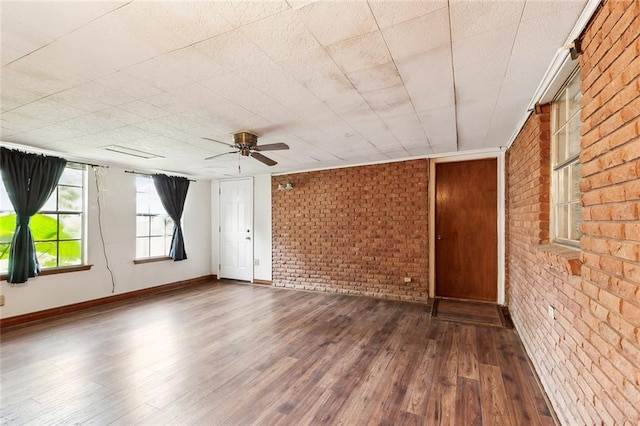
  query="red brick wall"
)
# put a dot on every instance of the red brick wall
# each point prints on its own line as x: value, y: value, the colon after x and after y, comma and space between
x: 588, y: 358
x: 357, y: 230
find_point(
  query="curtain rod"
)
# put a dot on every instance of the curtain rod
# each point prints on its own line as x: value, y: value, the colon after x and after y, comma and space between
x: 148, y: 174
x: 87, y: 164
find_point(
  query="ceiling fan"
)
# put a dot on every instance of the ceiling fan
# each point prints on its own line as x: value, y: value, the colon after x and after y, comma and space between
x: 246, y: 143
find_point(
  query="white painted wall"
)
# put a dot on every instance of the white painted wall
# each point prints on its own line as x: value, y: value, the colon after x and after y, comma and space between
x: 261, y: 226
x: 215, y: 226
x: 118, y: 209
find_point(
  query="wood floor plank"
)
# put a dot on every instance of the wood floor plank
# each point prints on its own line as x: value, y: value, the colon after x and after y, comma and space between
x: 440, y: 409
x: 417, y: 397
x: 525, y: 410
x: 486, y: 345
x: 468, y: 361
x: 496, y: 409
x: 468, y: 409
x: 229, y: 353
x: 306, y: 411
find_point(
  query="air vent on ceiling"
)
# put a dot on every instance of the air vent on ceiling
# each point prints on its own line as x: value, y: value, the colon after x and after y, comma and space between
x: 132, y: 152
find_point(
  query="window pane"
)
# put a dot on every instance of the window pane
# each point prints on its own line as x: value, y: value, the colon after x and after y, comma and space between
x: 157, y: 246
x: 560, y: 153
x: 71, y: 176
x: 70, y: 253
x: 142, y: 203
x: 562, y: 108
x: 50, y: 205
x: 155, y: 205
x: 573, y: 130
x: 70, y: 198
x: 142, y: 226
x: 157, y: 225
x: 5, y: 203
x: 562, y: 177
x: 575, y: 221
x: 4, y: 256
x: 142, y: 247
x: 168, y: 228
x: 70, y: 226
x: 46, y: 253
x: 561, y: 221
x: 7, y: 226
x: 575, y: 181
x: 574, y: 95
x: 144, y: 183
x: 44, y: 227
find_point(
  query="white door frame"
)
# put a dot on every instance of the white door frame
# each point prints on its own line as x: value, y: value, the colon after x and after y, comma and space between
x: 220, y: 240
x: 499, y: 155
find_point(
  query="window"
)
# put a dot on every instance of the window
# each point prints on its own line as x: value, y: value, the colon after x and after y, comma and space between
x: 57, y: 229
x: 565, y: 145
x: 154, y: 227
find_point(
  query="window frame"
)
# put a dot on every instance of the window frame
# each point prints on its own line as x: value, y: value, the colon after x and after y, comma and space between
x: 565, y: 191
x: 148, y: 215
x: 57, y: 212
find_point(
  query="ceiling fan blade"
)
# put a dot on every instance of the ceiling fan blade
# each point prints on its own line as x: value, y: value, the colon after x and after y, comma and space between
x: 266, y: 160
x: 219, y: 155
x: 271, y: 147
x: 223, y: 143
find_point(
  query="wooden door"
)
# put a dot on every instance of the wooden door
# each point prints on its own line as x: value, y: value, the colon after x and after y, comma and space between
x: 466, y: 240
x: 236, y: 229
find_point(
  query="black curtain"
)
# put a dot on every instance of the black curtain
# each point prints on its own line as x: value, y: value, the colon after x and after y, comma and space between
x: 29, y: 180
x: 173, y: 193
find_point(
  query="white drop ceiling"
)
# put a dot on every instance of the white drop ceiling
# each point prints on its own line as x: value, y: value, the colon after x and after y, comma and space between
x: 341, y: 82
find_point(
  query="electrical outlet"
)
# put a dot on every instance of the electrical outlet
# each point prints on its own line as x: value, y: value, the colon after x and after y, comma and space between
x: 256, y: 262
x: 1, y: 299
x: 407, y: 279
x: 552, y: 312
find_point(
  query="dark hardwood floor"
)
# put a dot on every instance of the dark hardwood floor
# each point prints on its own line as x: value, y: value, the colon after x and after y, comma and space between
x: 239, y: 354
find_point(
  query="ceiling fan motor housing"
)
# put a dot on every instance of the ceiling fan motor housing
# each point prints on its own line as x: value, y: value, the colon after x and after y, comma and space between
x: 245, y: 140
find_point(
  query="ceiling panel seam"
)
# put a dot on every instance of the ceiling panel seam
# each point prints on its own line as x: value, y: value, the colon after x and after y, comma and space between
x: 453, y: 74
x: 69, y: 32
x: 404, y: 86
x: 495, y: 105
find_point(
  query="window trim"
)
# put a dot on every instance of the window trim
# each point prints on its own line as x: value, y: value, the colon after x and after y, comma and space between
x: 567, y: 163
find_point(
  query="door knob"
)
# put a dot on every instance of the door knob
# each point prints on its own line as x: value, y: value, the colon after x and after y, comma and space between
x: 248, y: 238
x: 439, y: 236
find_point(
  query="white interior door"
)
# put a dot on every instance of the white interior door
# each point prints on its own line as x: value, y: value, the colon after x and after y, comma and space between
x: 236, y: 229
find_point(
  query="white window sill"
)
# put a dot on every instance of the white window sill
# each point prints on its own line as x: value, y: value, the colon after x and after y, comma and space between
x: 151, y: 259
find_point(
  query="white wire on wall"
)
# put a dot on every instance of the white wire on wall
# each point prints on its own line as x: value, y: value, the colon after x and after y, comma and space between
x: 99, y: 174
